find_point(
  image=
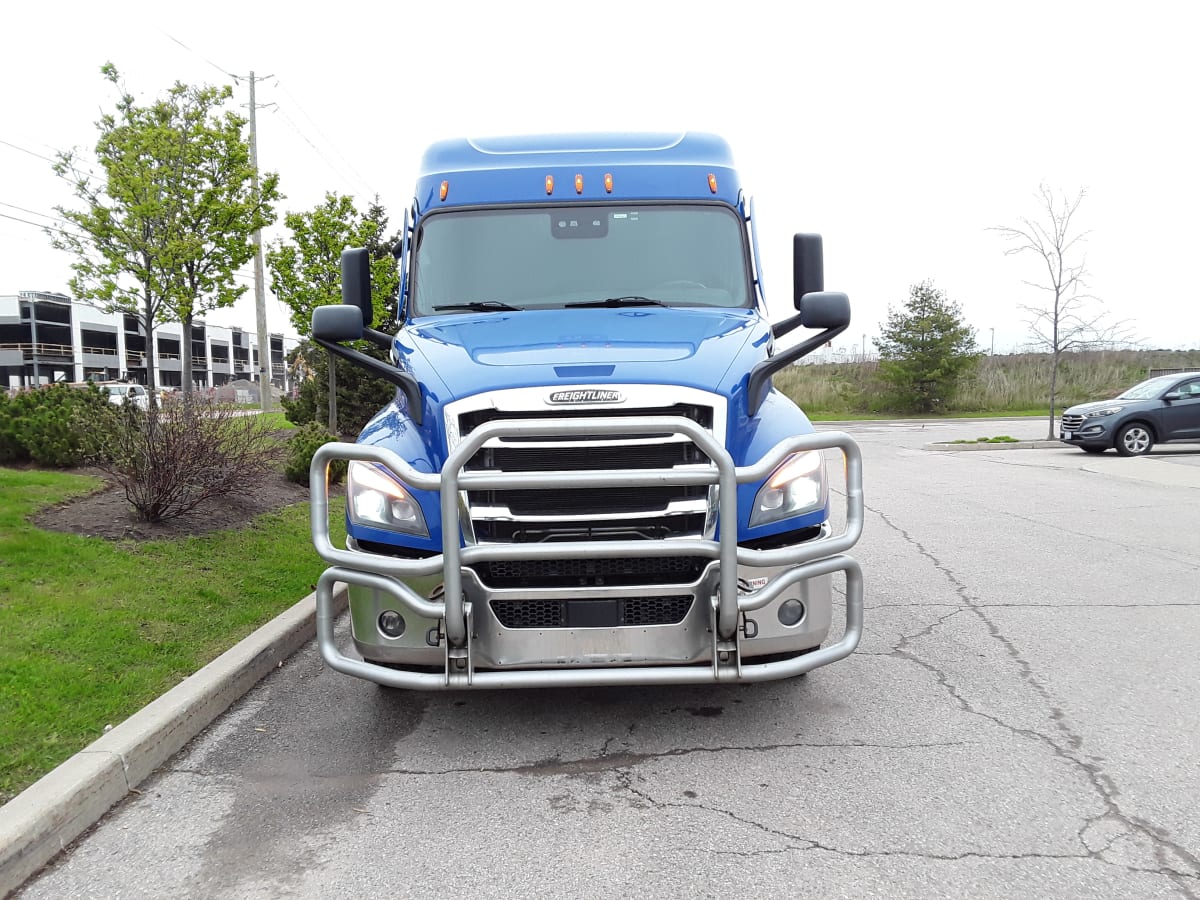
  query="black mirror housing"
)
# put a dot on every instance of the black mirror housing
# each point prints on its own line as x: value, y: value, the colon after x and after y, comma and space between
x: 337, y: 323
x: 808, y: 267
x: 356, y: 282
x: 824, y: 309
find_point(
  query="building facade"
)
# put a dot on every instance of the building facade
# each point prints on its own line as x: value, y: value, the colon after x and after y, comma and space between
x: 47, y: 337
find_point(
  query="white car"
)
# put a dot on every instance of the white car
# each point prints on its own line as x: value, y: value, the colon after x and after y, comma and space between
x: 119, y: 392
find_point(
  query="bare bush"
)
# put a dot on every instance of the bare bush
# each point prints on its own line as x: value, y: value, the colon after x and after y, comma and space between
x: 173, y: 459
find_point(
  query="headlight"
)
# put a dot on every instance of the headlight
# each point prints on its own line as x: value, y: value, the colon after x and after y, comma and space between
x: 1100, y: 413
x: 375, y: 498
x: 796, y: 487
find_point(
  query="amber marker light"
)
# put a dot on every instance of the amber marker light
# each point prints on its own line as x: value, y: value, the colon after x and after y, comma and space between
x: 445, y: 189
x: 579, y: 184
x: 549, y: 184
x: 608, y: 182
x: 712, y: 182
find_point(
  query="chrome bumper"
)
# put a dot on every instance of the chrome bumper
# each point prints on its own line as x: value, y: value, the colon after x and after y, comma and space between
x: 715, y: 642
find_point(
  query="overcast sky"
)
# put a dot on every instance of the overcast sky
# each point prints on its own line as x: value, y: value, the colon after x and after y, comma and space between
x: 899, y: 131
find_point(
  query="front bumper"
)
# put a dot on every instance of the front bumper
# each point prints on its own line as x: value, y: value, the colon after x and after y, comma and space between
x: 732, y: 629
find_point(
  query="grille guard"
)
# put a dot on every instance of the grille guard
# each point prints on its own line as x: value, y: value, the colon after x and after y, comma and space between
x: 815, y: 558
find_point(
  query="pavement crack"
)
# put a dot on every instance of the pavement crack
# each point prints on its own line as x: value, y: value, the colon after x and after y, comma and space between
x: 606, y: 762
x: 1067, y: 746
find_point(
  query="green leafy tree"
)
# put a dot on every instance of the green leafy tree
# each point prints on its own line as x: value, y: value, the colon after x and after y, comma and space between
x: 925, y: 348
x: 220, y: 211
x: 306, y: 273
x: 165, y: 222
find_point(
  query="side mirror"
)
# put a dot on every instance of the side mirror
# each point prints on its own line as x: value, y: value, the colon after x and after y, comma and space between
x: 1172, y: 395
x: 356, y: 283
x: 808, y: 267
x: 337, y: 323
x: 824, y: 309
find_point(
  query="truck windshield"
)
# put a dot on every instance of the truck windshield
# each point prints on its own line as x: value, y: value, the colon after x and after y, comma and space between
x: 580, y: 256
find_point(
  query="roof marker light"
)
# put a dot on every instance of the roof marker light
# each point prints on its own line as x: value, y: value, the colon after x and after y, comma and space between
x: 712, y: 182
x: 445, y: 189
x: 579, y: 184
x: 608, y: 182
x: 549, y: 184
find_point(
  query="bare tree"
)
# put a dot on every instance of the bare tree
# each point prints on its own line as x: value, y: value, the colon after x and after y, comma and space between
x: 1068, y: 320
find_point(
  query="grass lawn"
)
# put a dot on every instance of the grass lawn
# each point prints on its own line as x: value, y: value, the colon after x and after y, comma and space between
x: 91, y: 630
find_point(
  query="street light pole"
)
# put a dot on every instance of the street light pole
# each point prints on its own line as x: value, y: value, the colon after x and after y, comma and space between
x: 993, y: 353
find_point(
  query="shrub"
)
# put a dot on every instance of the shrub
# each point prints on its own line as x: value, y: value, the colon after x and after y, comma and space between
x: 57, y: 426
x: 171, y: 460
x: 302, y: 446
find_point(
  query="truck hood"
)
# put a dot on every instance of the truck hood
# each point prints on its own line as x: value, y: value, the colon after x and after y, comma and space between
x: 467, y: 354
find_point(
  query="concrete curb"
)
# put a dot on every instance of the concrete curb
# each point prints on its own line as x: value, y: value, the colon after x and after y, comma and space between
x: 1006, y: 445
x: 49, y: 814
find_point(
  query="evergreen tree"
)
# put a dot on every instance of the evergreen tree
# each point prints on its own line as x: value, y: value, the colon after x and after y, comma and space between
x: 926, y: 348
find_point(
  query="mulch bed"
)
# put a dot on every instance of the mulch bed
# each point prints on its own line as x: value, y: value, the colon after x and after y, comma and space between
x: 107, y: 514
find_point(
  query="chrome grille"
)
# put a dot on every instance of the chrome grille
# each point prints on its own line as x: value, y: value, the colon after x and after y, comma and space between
x: 533, y: 515
x: 1072, y: 422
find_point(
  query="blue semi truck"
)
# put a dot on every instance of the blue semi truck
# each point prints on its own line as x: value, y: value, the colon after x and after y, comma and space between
x: 586, y: 476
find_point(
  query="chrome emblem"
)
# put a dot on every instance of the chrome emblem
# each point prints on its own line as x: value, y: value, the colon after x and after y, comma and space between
x: 586, y: 395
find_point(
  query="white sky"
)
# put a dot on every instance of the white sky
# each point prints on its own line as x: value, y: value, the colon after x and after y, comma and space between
x: 899, y: 131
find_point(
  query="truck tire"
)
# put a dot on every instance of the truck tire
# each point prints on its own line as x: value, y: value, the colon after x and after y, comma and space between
x: 1135, y: 439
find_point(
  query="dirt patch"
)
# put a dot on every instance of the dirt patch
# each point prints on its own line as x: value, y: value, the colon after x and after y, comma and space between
x: 107, y: 514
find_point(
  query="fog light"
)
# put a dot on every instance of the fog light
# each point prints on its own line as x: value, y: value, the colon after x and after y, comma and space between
x: 391, y: 623
x: 791, y: 612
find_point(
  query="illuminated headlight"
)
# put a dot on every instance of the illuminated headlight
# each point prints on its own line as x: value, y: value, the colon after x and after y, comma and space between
x: 795, y: 488
x: 1101, y: 413
x: 376, y: 498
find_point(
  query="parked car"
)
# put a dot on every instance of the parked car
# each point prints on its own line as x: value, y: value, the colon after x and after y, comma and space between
x: 119, y: 392
x: 1160, y: 409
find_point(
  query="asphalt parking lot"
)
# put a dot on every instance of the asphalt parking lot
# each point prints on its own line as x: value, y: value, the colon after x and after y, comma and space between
x: 1020, y: 720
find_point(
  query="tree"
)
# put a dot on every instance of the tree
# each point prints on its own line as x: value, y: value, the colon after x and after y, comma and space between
x: 165, y: 224
x: 926, y: 348
x: 220, y: 212
x: 306, y: 273
x: 1067, y: 321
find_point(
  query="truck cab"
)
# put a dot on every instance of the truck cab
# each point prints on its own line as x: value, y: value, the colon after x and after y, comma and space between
x: 585, y: 476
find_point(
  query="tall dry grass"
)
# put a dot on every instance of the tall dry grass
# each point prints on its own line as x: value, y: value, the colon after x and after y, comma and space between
x: 1012, y: 383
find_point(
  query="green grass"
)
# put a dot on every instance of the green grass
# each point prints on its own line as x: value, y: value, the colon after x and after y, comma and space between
x: 998, y: 439
x: 91, y: 630
x: 275, y: 421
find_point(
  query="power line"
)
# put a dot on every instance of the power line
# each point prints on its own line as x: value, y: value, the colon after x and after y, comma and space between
x: 202, y: 56
x: 30, y: 152
x: 32, y: 212
x: 324, y: 136
x: 316, y: 149
x: 36, y: 224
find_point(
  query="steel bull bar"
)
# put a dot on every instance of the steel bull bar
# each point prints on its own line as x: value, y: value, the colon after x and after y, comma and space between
x: 823, y: 556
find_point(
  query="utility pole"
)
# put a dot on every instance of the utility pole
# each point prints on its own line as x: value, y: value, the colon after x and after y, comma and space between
x: 260, y: 300
x: 993, y: 353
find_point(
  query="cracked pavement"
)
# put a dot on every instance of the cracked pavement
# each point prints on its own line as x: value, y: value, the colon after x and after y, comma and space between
x: 1019, y: 720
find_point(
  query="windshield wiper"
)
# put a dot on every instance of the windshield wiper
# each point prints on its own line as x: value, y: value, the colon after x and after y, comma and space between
x: 631, y: 300
x: 481, y: 306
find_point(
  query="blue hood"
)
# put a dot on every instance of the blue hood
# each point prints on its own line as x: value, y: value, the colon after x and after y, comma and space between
x: 457, y: 356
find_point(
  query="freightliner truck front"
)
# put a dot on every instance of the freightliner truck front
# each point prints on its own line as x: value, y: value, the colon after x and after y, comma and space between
x: 586, y: 476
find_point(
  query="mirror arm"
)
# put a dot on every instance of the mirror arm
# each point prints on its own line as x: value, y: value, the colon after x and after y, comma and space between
x: 782, y: 328
x: 380, y: 339
x: 380, y: 369
x: 760, y: 375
